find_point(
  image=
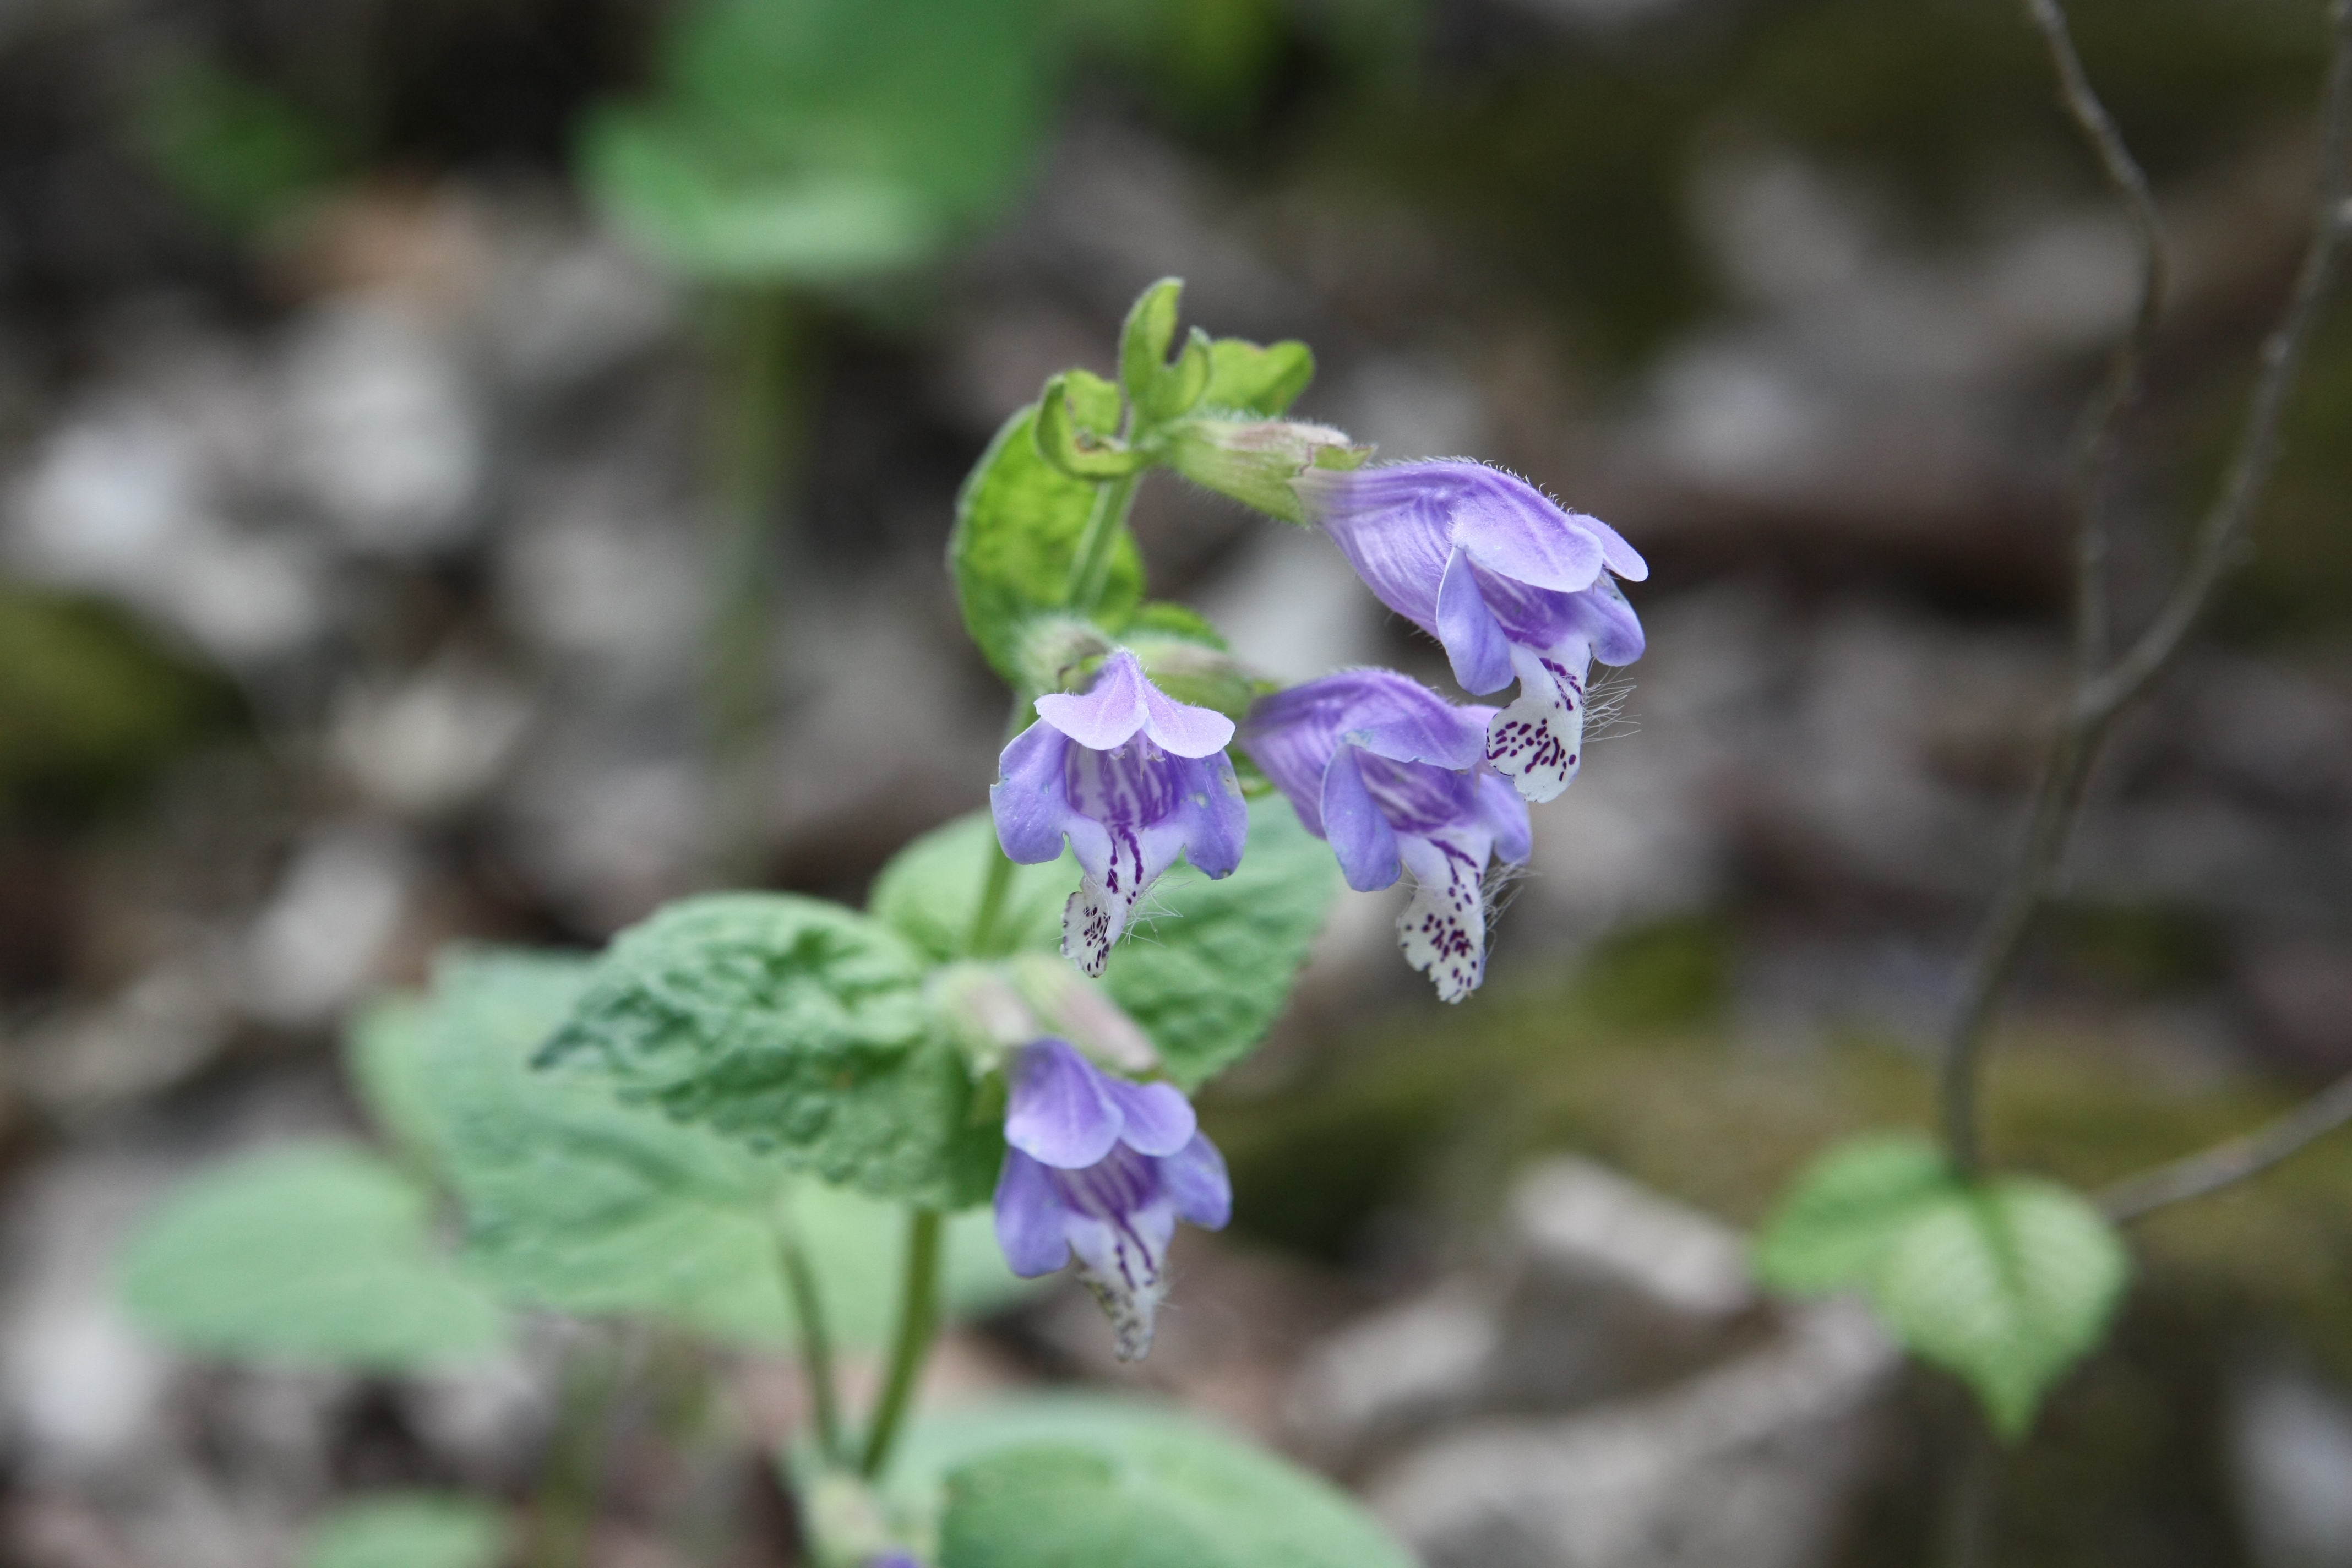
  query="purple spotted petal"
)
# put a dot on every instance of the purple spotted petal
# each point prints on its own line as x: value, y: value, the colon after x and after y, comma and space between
x: 1361, y: 838
x: 1472, y: 638
x: 1515, y: 530
x: 1160, y: 1120
x: 1106, y: 715
x: 1444, y: 930
x: 1030, y: 799
x: 1196, y: 1179
x: 1032, y: 1224
x: 1060, y: 1110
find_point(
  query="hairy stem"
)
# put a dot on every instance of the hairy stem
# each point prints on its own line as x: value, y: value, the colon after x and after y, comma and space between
x: 815, y: 1337
x: 981, y: 944
x: 2102, y: 694
x: 754, y: 449
x: 1090, y: 564
x: 2231, y: 1161
x: 919, y: 1321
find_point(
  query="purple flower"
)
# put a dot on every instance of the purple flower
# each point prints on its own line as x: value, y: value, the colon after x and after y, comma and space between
x: 1103, y: 1168
x: 1391, y: 774
x: 1131, y: 778
x: 1512, y: 585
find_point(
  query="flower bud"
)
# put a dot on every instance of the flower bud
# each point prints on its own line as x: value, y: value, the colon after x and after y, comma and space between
x: 1255, y: 461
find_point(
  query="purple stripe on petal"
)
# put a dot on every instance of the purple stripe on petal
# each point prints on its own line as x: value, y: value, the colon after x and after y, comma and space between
x: 1393, y: 527
x: 1032, y: 1224
x: 1060, y: 1110
x: 1158, y: 1119
x: 1361, y: 839
x: 1107, y: 714
x: 1472, y: 638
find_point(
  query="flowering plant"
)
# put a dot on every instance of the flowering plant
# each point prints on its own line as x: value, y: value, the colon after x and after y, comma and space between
x: 708, y: 1124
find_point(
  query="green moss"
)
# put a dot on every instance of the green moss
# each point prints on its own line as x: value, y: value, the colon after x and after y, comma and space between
x: 88, y: 705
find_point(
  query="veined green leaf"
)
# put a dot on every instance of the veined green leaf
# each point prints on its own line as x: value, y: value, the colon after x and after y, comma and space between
x: 316, y: 1254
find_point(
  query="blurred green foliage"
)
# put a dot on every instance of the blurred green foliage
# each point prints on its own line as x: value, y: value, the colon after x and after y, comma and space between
x: 237, y: 151
x: 2138, y: 950
x: 816, y: 141
x: 1435, y: 1115
x: 88, y: 705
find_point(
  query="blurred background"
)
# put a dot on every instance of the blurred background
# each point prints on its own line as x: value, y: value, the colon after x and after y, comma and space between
x: 478, y: 468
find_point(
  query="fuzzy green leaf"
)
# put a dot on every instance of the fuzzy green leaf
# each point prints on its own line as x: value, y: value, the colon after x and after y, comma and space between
x: 1838, y: 1220
x: 1092, y: 1482
x: 318, y: 1254
x: 1019, y: 520
x: 407, y: 1529
x: 2008, y: 1284
x: 1210, y: 964
x: 929, y: 892
x: 577, y: 1200
x: 1248, y: 379
x: 797, y: 1026
x: 820, y: 141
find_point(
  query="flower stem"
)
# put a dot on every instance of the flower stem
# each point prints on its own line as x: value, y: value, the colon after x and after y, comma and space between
x: 981, y: 944
x: 1090, y: 564
x: 815, y: 1338
x: 919, y: 1321
x: 753, y: 455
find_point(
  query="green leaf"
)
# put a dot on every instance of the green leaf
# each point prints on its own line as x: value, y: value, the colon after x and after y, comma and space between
x: 1210, y: 964
x: 2008, y: 1284
x: 929, y: 892
x: 1144, y: 339
x: 1838, y: 1220
x: 816, y: 141
x: 1101, y: 1483
x: 318, y: 1254
x: 1248, y: 379
x: 1065, y: 441
x: 577, y: 1200
x: 798, y: 1026
x: 407, y: 1529
x: 1018, y: 522
x: 1162, y: 621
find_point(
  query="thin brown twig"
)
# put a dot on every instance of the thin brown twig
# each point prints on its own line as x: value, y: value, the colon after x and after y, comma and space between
x: 2227, y: 1163
x: 2119, y: 392
x: 2100, y: 696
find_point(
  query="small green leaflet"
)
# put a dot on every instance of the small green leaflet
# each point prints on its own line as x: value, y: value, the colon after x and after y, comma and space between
x: 318, y: 1254
x: 1018, y: 522
x: 577, y: 1200
x: 2007, y: 1282
x: 1088, y: 1482
x: 797, y: 1026
x: 1244, y: 378
x: 407, y: 1529
x: 815, y: 142
x: 1210, y: 964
